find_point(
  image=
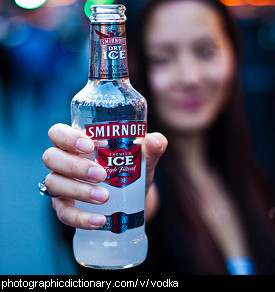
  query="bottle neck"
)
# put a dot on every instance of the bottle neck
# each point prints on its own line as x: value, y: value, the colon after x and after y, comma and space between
x: 108, y: 52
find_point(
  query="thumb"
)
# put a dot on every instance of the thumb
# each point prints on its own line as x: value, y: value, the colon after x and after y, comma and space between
x: 155, y: 145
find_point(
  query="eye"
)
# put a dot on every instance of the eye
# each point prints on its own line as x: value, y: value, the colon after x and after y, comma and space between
x: 206, y: 52
x: 158, y: 60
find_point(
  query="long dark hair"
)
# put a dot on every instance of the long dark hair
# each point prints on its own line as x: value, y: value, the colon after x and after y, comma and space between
x: 229, y: 149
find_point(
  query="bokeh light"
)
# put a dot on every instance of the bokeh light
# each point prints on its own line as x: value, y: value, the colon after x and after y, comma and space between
x: 30, y: 4
x: 57, y: 3
x: 95, y: 2
x: 248, y: 2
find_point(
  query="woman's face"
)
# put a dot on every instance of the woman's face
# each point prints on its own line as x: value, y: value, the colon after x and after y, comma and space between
x: 191, y: 64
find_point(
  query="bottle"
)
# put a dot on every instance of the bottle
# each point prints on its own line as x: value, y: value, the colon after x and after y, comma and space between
x: 112, y: 113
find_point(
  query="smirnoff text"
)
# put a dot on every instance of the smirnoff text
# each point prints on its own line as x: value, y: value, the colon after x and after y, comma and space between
x: 116, y: 130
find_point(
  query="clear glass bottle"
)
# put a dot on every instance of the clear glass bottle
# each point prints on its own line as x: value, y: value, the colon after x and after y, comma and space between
x: 110, y: 111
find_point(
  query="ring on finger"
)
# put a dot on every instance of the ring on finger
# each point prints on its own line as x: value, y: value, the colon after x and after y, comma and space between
x: 43, y: 190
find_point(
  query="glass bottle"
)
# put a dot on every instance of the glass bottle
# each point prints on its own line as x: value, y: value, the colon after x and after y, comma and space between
x: 112, y: 113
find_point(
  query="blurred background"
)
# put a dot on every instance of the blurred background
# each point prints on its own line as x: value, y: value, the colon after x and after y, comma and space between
x: 44, y: 53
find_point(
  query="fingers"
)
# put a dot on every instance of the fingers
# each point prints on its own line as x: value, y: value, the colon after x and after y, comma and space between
x: 155, y: 145
x: 70, y: 215
x: 70, y: 139
x: 73, y: 166
x: 59, y: 185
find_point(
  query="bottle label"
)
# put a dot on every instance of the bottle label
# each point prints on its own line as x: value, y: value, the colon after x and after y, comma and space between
x: 121, y: 158
x: 108, y: 51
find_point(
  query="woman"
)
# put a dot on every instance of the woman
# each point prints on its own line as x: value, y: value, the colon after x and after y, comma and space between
x: 207, y: 211
x: 215, y: 187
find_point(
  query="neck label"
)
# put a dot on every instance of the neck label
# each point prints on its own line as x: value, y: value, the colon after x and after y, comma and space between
x: 108, y: 58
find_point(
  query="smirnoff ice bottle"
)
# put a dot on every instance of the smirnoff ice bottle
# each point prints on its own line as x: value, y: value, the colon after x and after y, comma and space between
x: 113, y: 114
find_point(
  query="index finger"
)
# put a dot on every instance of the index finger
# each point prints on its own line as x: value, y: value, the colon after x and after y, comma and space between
x: 70, y: 139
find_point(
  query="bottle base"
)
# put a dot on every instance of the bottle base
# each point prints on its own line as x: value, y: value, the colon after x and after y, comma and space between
x: 110, y: 267
x: 109, y: 251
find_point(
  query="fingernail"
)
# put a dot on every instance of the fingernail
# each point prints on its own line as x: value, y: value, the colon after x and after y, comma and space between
x: 96, y: 173
x: 99, y: 194
x: 84, y: 144
x: 97, y: 220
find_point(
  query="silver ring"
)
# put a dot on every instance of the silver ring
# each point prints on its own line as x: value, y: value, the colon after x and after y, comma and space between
x: 43, y: 190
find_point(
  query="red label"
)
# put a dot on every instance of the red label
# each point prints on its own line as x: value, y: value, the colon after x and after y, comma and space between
x: 123, y: 166
x: 121, y: 158
x: 116, y: 130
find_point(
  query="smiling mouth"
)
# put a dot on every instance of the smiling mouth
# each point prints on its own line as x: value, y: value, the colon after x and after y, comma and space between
x: 190, y: 104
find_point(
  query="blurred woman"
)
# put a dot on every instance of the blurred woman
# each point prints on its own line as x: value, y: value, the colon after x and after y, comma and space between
x: 214, y: 202
x: 207, y: 212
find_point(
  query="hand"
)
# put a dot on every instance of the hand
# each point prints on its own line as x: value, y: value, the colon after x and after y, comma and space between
x: 69, y: 162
